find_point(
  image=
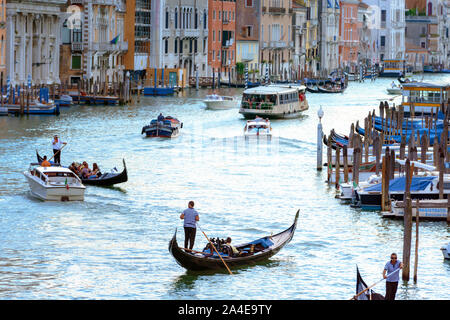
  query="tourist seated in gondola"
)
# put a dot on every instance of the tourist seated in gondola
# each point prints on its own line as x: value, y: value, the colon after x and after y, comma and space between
x: 161, y: 118
x: 95, y: 171
x: 85, y: 171
x: 74, y: 168
x: 229, y: 249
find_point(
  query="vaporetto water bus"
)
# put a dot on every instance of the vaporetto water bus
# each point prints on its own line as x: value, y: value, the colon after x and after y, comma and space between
x: 424, y: 97
x: 274, y: 101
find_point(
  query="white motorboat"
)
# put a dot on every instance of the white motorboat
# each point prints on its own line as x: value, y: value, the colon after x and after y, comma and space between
x: 258, y: 127
x: 446, y: 251
x: 435, y: 209
x: 216, y: 102
x: 54, y: 183
x: 274, y: 101
x: 394, y: 89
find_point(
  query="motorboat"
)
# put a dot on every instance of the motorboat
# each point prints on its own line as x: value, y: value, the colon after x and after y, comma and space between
x: 216, y: 102
x: 64, y: 100
x: 167, y: 128
x: 428, y: 210
x: 394, y: 89
x: 422, y: 187
x: 446, y: 251
x: 274, y: 101
x: 424, y: 98
x: 258, y: 127
x: 54, y: 183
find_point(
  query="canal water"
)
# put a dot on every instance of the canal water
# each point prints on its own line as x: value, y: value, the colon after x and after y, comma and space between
x: 114, y: 245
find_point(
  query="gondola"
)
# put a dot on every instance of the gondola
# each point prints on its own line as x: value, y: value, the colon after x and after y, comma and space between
x: 106, y: 179
x: 312, y: 90
x: 331, y: 90
x: 361, y: 286
x: 264, y: 248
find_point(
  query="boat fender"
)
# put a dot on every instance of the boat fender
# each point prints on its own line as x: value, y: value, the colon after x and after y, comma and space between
x: 182, y: 125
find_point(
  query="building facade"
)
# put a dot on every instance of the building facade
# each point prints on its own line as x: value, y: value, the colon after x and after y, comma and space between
x: 329, y: 18
x: 312, y: 38
x: 276, y: 45
x: 222, y: 38
x: 388, y: 28
x: 299, y: 31
x: 137, y: 30
x: 33, y: 38
x: 93, y: 45
x: 179, y: 36
x: 2, y: 41
x: 349, y: 35
x: 248, y: 14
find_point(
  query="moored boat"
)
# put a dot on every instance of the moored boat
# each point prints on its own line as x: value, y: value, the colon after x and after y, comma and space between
x: 167, y: 128
x: 274, y: 101
x: 263, y: 248
x: 428, y: 210
x: 54, y: 183
x: 216, y: 102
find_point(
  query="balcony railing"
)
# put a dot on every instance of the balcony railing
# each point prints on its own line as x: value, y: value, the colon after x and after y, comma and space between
x: 277, y: 10
x: 77, y: 46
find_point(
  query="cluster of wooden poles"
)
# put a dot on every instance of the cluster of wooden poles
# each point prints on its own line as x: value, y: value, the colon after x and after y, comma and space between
x: 121, y: 90
x: 373, y: 141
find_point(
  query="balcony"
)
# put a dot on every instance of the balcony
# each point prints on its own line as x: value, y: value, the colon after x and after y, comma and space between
x: 278, y: 44
x: 108, y: 47
x: 277, y: 10
x: 77, y: 46
x: 187, y: 33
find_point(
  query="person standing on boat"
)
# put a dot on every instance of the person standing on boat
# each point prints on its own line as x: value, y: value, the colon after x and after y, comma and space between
x: 392, y: 280
x: 190, y: 216
x: 57, y: 146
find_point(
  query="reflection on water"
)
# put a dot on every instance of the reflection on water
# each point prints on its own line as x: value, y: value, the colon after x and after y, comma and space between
x: 114, y: 244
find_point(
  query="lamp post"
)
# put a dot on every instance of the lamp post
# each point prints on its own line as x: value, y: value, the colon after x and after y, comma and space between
x: 319, y: 140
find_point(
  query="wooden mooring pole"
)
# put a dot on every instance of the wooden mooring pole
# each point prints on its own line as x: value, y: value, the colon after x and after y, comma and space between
x: 407, y: 223
x: 416, y: 254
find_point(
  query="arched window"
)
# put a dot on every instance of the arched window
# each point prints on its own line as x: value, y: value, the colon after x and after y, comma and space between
x: 205, y: 20
x: 176, y: 18
x: 167, y: 18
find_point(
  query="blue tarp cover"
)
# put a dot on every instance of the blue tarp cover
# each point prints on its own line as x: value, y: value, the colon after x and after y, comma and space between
x: 398, y: 184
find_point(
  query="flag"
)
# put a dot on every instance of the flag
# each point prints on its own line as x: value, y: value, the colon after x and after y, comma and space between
x: 114, y: 41
x: 66, y: 184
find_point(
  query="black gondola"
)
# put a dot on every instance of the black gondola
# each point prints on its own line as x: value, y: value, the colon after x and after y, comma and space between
x: 264, y: 248
x: 361, y: 286
x: 312, y: 90
x: 106, y: 179
x: 331, y: 90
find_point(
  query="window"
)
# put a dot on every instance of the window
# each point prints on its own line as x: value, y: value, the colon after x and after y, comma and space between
x: 176, y: 46
x: 167, y: 19
x: 166, y: 46
x: 249, y: 3
x: 76, y: 63
x: 383, y: 41
x: 383, y: 15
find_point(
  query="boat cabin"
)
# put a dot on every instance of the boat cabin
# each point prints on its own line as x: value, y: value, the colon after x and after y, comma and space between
x: 266, y: 98
x: 424, y: 98
x: 393, y: 68
x: 55, y: 175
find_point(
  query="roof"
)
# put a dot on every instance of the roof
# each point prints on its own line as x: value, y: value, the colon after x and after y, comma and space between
x: 272, y: 89
x: 426, y: 85
x: 53, y: 169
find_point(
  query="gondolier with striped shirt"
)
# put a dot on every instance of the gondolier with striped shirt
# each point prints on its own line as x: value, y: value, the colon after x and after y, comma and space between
x: 190, y: 216
x: 57, y: 146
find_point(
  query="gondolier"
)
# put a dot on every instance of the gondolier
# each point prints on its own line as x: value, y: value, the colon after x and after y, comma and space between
x: 190, y: 216
x: 57, y: 146
x: 392, y: 279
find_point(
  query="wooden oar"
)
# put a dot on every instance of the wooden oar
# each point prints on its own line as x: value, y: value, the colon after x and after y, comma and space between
x: 57, y: 152
x: 356, y: 296
x: 214, y: 249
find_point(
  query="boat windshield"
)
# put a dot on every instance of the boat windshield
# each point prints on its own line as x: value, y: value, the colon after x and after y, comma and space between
x: 60, y: 174
x: 259, y: 101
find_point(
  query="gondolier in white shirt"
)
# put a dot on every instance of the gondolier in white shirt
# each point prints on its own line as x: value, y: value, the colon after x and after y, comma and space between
x: 57, y: 146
